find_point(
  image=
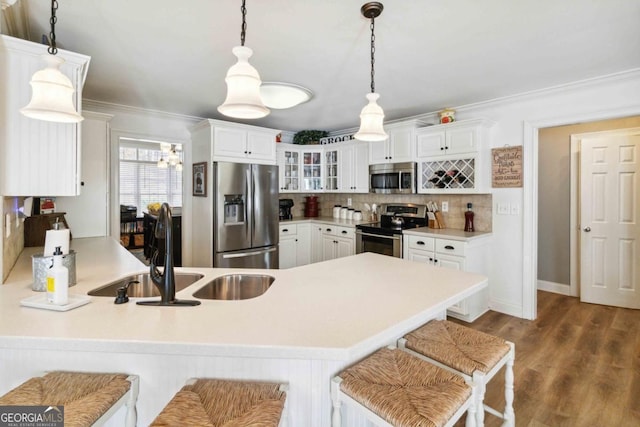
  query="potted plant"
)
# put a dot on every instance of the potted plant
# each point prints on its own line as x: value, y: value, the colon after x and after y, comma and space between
x: 309, y: 136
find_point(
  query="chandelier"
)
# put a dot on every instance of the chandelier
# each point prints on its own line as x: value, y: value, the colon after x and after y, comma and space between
x: 173, y: 158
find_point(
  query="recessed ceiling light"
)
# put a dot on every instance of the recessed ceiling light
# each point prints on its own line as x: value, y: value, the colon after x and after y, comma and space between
x: 280, y: 95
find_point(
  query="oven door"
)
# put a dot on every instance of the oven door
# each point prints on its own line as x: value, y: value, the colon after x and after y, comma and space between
x: 379, y: 243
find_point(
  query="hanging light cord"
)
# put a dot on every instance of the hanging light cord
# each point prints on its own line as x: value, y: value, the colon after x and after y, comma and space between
x: 52, y: 35
x: 243, y: 31
x: 373, y: 52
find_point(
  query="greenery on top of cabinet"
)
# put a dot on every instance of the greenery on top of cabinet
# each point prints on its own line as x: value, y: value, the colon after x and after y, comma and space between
x: 309, y: 136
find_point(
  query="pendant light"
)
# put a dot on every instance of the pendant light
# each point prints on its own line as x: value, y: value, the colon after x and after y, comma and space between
x: 243, y: 83
x: 52, y: 91
x: 372, y: 116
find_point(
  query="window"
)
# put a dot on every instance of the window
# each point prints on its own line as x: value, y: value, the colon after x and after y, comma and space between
x: 141, y: 180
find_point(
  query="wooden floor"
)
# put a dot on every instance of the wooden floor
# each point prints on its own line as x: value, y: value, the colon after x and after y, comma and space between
x: 576, y: 365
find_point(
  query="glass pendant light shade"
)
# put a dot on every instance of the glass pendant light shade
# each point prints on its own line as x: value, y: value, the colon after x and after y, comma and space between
x: 371, y: 119
x: 243, y: 89
x: 51, y: 94
x: 162, y: 164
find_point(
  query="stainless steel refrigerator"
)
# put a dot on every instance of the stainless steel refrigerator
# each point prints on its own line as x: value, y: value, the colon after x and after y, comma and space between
x: 245, y: 215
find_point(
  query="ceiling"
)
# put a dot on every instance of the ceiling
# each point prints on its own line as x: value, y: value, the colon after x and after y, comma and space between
x: 173, y: 55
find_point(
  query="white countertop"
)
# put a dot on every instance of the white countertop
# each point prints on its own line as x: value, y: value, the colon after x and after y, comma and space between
x: 330, y: 310
x: 446, y: 233
x: 443, y: 233
x: 327, y: 220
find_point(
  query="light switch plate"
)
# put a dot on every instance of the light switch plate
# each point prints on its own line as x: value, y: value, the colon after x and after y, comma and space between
x: 503, y: 209
x: 7, y: 225
x: 515, y: 209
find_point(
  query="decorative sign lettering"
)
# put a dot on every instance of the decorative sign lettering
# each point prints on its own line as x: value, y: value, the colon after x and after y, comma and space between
x: 337, y: 138
x: 506, y: 167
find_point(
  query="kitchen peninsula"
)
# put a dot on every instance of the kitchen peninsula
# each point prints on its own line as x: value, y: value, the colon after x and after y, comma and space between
x: 312, y: 322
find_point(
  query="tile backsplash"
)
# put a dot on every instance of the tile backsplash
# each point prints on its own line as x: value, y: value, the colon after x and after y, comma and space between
x: 14, y: 243
x: 454, y: 218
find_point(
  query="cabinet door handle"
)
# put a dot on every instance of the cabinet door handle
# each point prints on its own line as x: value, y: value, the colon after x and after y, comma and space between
x: 250, y: 152
x: 420, y: 242
x: 435, y: 260
x: 430, y: 259
x: 449, y: 247
x: 245, y: 151
x: 285, y: 230
x: 344, y: 232
x: 296, y: 240
x: 441, y: 148
x: 328, y: 229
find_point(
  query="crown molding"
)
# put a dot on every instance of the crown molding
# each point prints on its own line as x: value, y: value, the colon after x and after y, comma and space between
x: 92, y: 104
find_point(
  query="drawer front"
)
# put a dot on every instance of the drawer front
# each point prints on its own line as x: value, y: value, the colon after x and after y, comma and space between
x: 346, y: 232
x: 329, y: 229
x: 453, y: 247
x: 423, y: 243
x: 288, y: 229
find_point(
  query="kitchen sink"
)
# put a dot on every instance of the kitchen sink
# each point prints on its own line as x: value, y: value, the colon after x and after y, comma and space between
x: 144, y: 287
x: 235, y: 287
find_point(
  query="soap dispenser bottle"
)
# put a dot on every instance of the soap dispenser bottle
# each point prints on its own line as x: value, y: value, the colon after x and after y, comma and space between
x: 468, y: 218
x: 58, y: 280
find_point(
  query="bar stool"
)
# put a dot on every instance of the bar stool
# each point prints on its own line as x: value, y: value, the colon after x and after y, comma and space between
x: 393, y: 388
x: 475, y: 355
x: 213, y: 402
x: 89, y: 399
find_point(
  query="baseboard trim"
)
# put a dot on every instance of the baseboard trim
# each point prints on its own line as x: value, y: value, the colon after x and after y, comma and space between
x: 556, y: 288
x: 506, y: 308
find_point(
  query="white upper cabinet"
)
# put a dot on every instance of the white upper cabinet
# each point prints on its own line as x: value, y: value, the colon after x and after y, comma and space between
x: 232, y: 142
x: 340, y: 167
x: 399, y: 147
x: 454, y: 157
x: 37, y: 158
x: 353, y: 171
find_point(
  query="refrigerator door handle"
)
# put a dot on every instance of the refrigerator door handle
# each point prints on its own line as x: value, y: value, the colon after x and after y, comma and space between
x: 248, y: 206
x: 244, y: 254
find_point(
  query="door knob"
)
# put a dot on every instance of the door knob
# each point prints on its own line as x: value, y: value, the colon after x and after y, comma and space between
x: 587, y: 229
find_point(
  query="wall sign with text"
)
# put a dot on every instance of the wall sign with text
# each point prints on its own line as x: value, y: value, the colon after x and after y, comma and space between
x: 506, y: 167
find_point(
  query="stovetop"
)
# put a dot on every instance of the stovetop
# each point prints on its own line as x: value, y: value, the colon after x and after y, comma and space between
x: 412, y: 216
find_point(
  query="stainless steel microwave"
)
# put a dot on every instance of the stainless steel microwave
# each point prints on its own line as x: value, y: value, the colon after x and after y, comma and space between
x: 393, y: 178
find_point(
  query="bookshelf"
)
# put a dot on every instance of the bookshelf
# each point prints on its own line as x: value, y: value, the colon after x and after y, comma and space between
x: 132, y: 232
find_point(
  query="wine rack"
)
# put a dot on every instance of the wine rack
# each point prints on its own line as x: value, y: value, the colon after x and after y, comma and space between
x: 454, y: 174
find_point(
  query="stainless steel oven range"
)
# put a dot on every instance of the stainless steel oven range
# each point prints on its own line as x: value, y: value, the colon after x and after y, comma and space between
x: 385, y: 237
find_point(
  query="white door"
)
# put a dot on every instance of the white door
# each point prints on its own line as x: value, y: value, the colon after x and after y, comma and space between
x: 609, y: 219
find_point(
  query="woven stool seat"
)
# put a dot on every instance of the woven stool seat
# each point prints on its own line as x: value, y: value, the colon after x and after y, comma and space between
x: 86, y: 397
x: 477, y: 356
x: 464, y: 349
x: 404, y: 390
x: 223, y: 403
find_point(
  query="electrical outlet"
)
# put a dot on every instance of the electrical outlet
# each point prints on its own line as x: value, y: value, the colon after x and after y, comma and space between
x: 349, y: 201
x: 445, y: 207
x: 515, y: 209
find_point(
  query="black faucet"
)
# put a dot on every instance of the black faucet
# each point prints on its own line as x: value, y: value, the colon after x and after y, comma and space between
x: 165, y: 281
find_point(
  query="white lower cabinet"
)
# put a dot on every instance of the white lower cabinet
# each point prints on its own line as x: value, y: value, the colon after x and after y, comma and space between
x: 465, y: 255
x: 337, y: 242
x: 295, y: 245
x: 308, y: 242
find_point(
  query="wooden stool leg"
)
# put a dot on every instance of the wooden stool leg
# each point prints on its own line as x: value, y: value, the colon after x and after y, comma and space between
x: 472, y: 411
x: 132, y: 414
x: 509, y: 414
x: 480, y: 390
x: 336, y: 417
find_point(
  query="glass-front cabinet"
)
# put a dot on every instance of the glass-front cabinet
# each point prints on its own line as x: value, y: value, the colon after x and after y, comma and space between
x: 289, y: 161
x: 331, y: 169
x: 312, y: 170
